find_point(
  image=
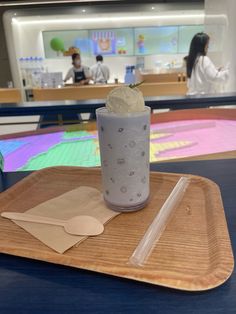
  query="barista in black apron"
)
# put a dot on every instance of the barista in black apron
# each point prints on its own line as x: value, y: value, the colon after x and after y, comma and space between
x: 79, y: 73
x: 79, y: 76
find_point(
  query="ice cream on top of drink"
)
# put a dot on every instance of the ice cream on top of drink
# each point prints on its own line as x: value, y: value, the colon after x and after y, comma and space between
x: 125, y: 99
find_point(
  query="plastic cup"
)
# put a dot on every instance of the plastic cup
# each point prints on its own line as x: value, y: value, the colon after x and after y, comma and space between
x: 124, y: 150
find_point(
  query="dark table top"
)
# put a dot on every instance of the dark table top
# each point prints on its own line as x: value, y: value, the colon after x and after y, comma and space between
x: 28, y: 286
x: 90, y: 105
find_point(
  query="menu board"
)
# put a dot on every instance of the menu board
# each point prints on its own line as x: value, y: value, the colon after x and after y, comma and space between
x: 59, y: 44
x: 120, y: 41
x: 116, y: 41
x: 186, y: 34
x: 156, y: 40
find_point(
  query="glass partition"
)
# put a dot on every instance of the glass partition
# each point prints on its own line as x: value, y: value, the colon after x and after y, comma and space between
x: 153, y: 38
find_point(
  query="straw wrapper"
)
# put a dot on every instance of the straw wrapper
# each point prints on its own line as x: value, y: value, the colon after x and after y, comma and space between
x: 159, y: 224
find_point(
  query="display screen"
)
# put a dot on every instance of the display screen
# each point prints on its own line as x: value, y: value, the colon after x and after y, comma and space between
x: 59, y: 44
x: 117, y: 41
x: 156, y: 40
x: 89, y: 42
x: 120, y: 41
x: 186, y: 34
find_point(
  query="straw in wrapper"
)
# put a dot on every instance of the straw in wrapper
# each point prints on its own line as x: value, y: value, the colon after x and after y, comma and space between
x: 159, y: 223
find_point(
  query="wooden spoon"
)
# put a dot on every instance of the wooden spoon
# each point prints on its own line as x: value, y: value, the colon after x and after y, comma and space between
x: 78, y: 225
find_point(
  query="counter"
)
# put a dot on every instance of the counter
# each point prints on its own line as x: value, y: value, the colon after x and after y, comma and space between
x: 9, y: 95
x: 101, y: 91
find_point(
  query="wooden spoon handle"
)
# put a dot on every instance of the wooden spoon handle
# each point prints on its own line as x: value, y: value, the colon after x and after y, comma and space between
x: 33, y: 218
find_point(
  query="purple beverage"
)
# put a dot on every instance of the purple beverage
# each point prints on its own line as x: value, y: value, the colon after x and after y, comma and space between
x: 124, y: 148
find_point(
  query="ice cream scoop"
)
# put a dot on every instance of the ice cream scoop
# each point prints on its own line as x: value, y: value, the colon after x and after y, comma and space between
x: 124, y: 99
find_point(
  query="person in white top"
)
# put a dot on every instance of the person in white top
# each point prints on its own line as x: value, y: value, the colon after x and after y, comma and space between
x: 100, y: 71
x: 80, y: 74
x: 203, y: 76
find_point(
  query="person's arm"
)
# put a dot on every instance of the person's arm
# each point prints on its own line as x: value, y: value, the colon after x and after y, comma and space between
x: 93, y: 73
x: 107, y: 73
x: 69, y: 75
x: 212, y: 74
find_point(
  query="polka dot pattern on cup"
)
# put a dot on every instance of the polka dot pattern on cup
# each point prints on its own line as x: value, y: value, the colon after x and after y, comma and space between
x: 125, y: 163
x: 120, y: 161
x: 132, y: 144
x: 123, y: 189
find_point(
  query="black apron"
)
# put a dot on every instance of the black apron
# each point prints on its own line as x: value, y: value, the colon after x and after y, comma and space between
x: 79, y: 76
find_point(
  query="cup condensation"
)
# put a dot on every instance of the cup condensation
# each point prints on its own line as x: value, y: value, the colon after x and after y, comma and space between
x: 124, y: 141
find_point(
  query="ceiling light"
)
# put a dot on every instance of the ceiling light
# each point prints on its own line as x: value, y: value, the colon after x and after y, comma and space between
x: 107, y: 19
x: 17, y: 3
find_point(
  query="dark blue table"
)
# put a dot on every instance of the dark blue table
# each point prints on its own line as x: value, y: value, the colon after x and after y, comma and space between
x: 28, y: 286
x: 90, y: 105
x: 68, y: 112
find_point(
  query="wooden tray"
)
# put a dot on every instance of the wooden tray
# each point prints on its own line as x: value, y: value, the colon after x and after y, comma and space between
x: 194, y: 253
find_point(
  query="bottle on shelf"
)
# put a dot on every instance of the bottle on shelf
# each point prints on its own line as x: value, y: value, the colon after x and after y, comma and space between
x: 36, y: 72
x: 22, y: 71
x: 10, y: 84
x: 41, y: 64
x: 31, y: 69
x: 27, y: 71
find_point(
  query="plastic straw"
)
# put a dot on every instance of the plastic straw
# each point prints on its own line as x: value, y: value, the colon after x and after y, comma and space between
x: 159, y: 223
